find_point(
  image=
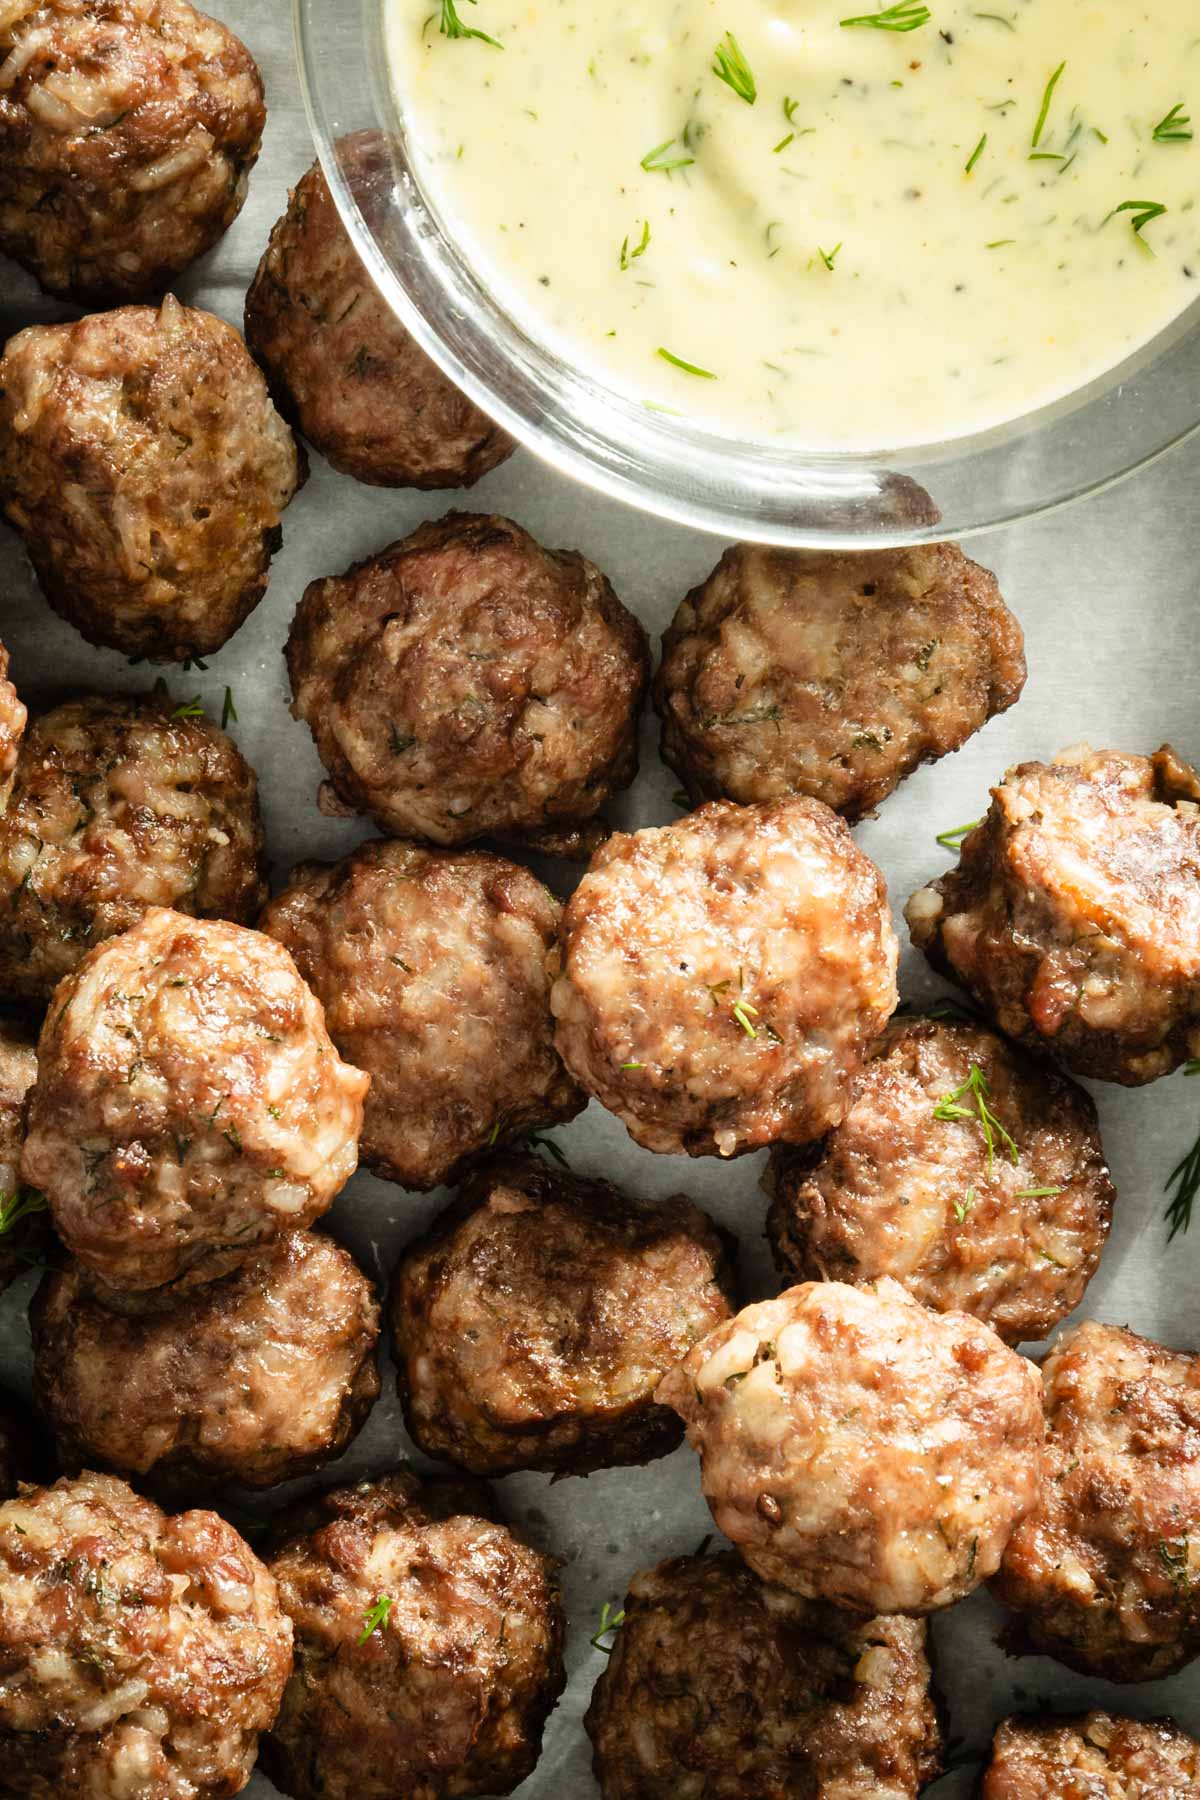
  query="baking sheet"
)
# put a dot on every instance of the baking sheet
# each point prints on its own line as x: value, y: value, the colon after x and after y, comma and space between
x: 1108, y: 596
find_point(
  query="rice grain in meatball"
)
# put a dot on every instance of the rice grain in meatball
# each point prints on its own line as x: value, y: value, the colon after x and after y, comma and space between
x: 143, y: 464
x: 1073, y: 915
x: 120, y: 804
x: 832, y: 675
x: 428, y: 1645
x: 12, y: 729
x: 189, y: 1103
x: 24, y: 1226
x: 140, y: 1654
x: 533, y: 1323
x: 431, y: 967
x: 256, y: 1378
x: 1105, y: 1574
x: 1097, y: 1757
x: 720, y: 1688
x: 967, y: 1170
x: 860, y: 1449
x: 128, y: 129
x: 720, y: 980
x: 467, y: 682
x: 341, y: 365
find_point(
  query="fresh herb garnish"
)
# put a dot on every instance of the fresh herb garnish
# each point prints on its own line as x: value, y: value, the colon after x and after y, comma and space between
x: 1176, y: 1563
x: 731, y: 67
x: 376, y: 1617
x: 630, y: 256
x: 906, y: 15
x: 1037, y: 1193
x: 950, y: 840
x: 659, y: 161
x: 610, y: 1623
x: 976, y: 153
x: 1184, y: 1179
x: 19, y: 1205
x: 451, y: 26
x: 828, y: 257
x: 1143, y: 211
x: 189, y: 709
x: 975, y: 1091
x: 677, y: 362
x: 1047, y: 97
x: 228, y: 709
x: 1176, y: 128
x: 962, y: 1207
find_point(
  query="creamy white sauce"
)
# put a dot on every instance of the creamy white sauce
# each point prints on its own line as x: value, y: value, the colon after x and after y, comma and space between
x: 956, y: 298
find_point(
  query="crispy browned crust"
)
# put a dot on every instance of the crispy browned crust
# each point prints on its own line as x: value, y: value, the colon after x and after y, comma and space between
x: 341, y: 366
x: 533, y: 1323
x: 450, y: 1694
x: 1099, y: 1756
x: 466, y: 682
x: 1073, y: 915
x: 1013, y: 1238
x: 788, y: 672
x: 724, y: 1689
x: 128, y: 129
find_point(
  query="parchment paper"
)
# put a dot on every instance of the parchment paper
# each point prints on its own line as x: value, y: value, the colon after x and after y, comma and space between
x: 1107, y: 593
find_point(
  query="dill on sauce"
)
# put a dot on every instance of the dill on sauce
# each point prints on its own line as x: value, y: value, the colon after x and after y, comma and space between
x: 451, y: 26
x: 1176, y: 128
x: 1047, y: 98
x: 731, y: 67
x: 906, y: 15
x: 1142, y: 212
x: 659, y: 162
x: 976, y: 153
x: 829, y: 257
x: 677, y: 362
x: 630, y: 256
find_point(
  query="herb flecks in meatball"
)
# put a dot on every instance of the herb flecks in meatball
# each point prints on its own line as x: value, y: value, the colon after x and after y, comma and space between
x: 120, y: 804
x: 860, y: 1449
x: 341, y: 365
x: 1073, y: 916
x: 189, y: 1103
x: 466, y: 682
x: 428, y: 1644
x: 1098, y: 1757
x: 720, y: 1688
x: 533, y: 1324
x: 143, y: 464
x: 128, y: 129
x: 832, y: 675
x: 431, y: 966
x: 923, y: 1187
x: 721, y: 979
x: 1105, y: 1574
x: 143, y: 1654
x: 256, y: 1378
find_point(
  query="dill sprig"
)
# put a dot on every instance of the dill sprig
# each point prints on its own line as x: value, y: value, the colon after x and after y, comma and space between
x: 1044, y: 110
x: 660, y: 161
x: 1183, y: 1183
x: 906, y: 15
x: 1141, y: 211
x: 829, y: 257
x: 228, y: 709
x: 976, y: 153
x: 1176, y: 128
x: 689, y: 368
x: 731, y: 67
x: 20, y: 1205
x: 610, y: 1623
x: 950, y: 840
x: 451, y: 26
x: 630, y: 255
x: 976, y: 1092
x: 376, y: 1617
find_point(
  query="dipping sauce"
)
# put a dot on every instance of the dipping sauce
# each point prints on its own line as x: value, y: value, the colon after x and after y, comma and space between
x: 843, y: 228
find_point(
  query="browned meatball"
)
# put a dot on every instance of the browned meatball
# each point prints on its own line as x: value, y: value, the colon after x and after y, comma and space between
x: 720, y: 980
x: 428, y: 1645
x: 719, y: 1688
x: 12, y: 728
x: 145, y: 467
x: 120, y: 804
x: 860, y: 1449
x: 21, y: 1450
x: 189, y: 1103
x: 24, y: 1225
x: 1106, y: 1572
x: 432, y: 971
x: 533, y: 1324
x: 1098, y: 1757
x: 466, y: 682
x: 256, y: 1378
x: 341, y: 365
x: 128, y: 129
x: 965, y: 1169
x: 140, y: 1655
x: 1074, y: 913
x: 832, y: 675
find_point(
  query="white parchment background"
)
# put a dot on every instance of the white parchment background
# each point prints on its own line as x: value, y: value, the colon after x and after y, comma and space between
x: 1107, y: 594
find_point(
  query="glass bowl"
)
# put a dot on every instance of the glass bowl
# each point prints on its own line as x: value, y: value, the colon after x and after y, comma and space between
x: 663, y: 465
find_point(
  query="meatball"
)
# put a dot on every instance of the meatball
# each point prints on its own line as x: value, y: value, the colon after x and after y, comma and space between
x: 188, y: 1105
x: 719, y: 1688
x: 432, y: 970
x: 832, y: 675
x: 1098, y: 1757
x: 1105, y: 1574
x: 1073, y: 916
x: 128, y: 129
x: 24, y: 1232
x: 145, y: 467
x: 860, y: 1449
x: 341, y: 365
x: 256, y: 1378
x: 466, y: 682
x: 12, y: 728
x: 533, y: 1324
x: 428, y: 1645
x: 140, y: 1654
x: 120, y: 804
x: 966, y: 1170
x: 720, y: 980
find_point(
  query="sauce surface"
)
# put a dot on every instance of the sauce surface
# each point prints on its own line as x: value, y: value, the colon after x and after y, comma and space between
x: 907, y: 234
